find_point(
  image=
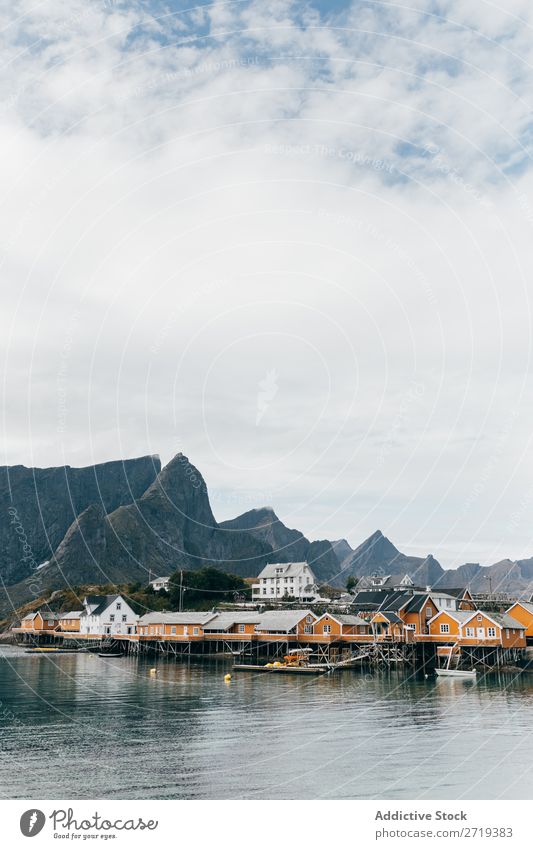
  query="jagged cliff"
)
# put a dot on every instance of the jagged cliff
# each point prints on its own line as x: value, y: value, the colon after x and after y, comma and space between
x: 285, y: 543
x: 37, y: 506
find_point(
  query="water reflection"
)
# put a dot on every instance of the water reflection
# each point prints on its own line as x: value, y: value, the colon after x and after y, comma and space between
x: 185, y: 733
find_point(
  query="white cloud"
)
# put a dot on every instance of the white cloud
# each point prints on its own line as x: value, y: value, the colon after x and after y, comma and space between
x: 183, y: 216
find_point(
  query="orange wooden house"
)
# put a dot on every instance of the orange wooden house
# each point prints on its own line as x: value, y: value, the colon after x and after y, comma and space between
x: 341, y: 625
x: 70, y: 621
x: 387, y: 625
x: 39, y: 621
x: 464, y: 598
x: 173, y: 626
x: 281, y: 624
x: 477, y: 628
x: 232, y: 624
x: 417, y: 612
x: 522, y: 611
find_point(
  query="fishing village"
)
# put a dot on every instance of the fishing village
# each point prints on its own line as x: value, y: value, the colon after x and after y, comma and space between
x: 388, y: 622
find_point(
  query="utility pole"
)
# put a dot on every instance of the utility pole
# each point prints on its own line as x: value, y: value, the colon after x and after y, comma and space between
x: 181, y: 591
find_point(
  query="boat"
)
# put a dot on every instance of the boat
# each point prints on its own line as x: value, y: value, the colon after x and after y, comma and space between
x: 110, y: 654
x: 312, y: 669
x: 295, y: 663
x: 49, y: 650
x: 456, y: 673
x: 447, y: 672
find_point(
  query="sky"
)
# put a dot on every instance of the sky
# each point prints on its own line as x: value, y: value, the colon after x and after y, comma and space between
x: 291, y: 240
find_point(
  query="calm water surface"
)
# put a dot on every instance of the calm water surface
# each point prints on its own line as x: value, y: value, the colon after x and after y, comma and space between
x: 79, y: 726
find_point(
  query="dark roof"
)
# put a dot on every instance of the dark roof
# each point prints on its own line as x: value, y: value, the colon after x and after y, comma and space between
x: 369, y: 597
x: 390, y: 615
x: 395, y: 601
x: 103, y: 603
x: 95, y: 599
x: 457, y: 592
x: 417, y: 603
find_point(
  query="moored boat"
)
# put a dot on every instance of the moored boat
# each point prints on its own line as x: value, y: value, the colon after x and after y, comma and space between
x: 456, y: 673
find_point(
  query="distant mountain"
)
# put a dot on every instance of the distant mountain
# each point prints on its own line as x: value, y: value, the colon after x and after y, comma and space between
x: 342, y: 549
x: 124, y: 521
x: 37, y: 506
x: 510, y: 576
x: 169, y: 526
x: 377, y: 555
x: 286, y: 544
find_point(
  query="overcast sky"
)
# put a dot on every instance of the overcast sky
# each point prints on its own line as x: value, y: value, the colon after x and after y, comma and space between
x: 293, y: 241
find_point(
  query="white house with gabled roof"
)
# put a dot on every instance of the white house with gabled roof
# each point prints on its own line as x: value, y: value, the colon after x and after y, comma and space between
x: 282, y: 579
x: 110, y: 615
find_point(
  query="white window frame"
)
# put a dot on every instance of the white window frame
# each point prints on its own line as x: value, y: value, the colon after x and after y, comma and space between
x: 444, y: 628
x: 326, y: 629
x: 491, y: 632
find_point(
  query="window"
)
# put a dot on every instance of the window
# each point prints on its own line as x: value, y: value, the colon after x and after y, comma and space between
x: 429, y: 612
x: 173, y: 629
x: 292, y: 580
x: 470, y: 632
x: 480, y: 618
x: 445, y: 628
x: 326, y: 629
x: 185, y: 630
x: 506, y: 632
x: 308, y: 629
x: 309, y: 619
x: 151, y: 630
x: 124, y: 617
x: 492, y: 632
x: 119, y: 605
x: 112, y: 617
x: 448, y: 602
x: 241, y: 628
x: 264, y: 591
x: 279, y: 571
x: 195, y: 632
x: 285, y: 580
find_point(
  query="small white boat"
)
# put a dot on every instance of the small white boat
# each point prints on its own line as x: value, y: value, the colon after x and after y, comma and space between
x: 454, y: 651
x: 457, y: 673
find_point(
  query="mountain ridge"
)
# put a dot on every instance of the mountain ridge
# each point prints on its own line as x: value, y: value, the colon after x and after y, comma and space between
x: 135, y: 519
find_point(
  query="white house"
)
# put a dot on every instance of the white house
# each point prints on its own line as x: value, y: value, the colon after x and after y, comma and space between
x: 107, y: 614
x: 161, y: 583
x: 281, y: 579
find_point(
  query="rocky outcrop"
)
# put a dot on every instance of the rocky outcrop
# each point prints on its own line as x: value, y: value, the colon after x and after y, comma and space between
x: 286, y: 544
x: 378, y: 556
x: 37, y: 506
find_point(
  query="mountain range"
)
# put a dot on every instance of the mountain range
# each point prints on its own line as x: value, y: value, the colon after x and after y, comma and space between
x: 130, y: 520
